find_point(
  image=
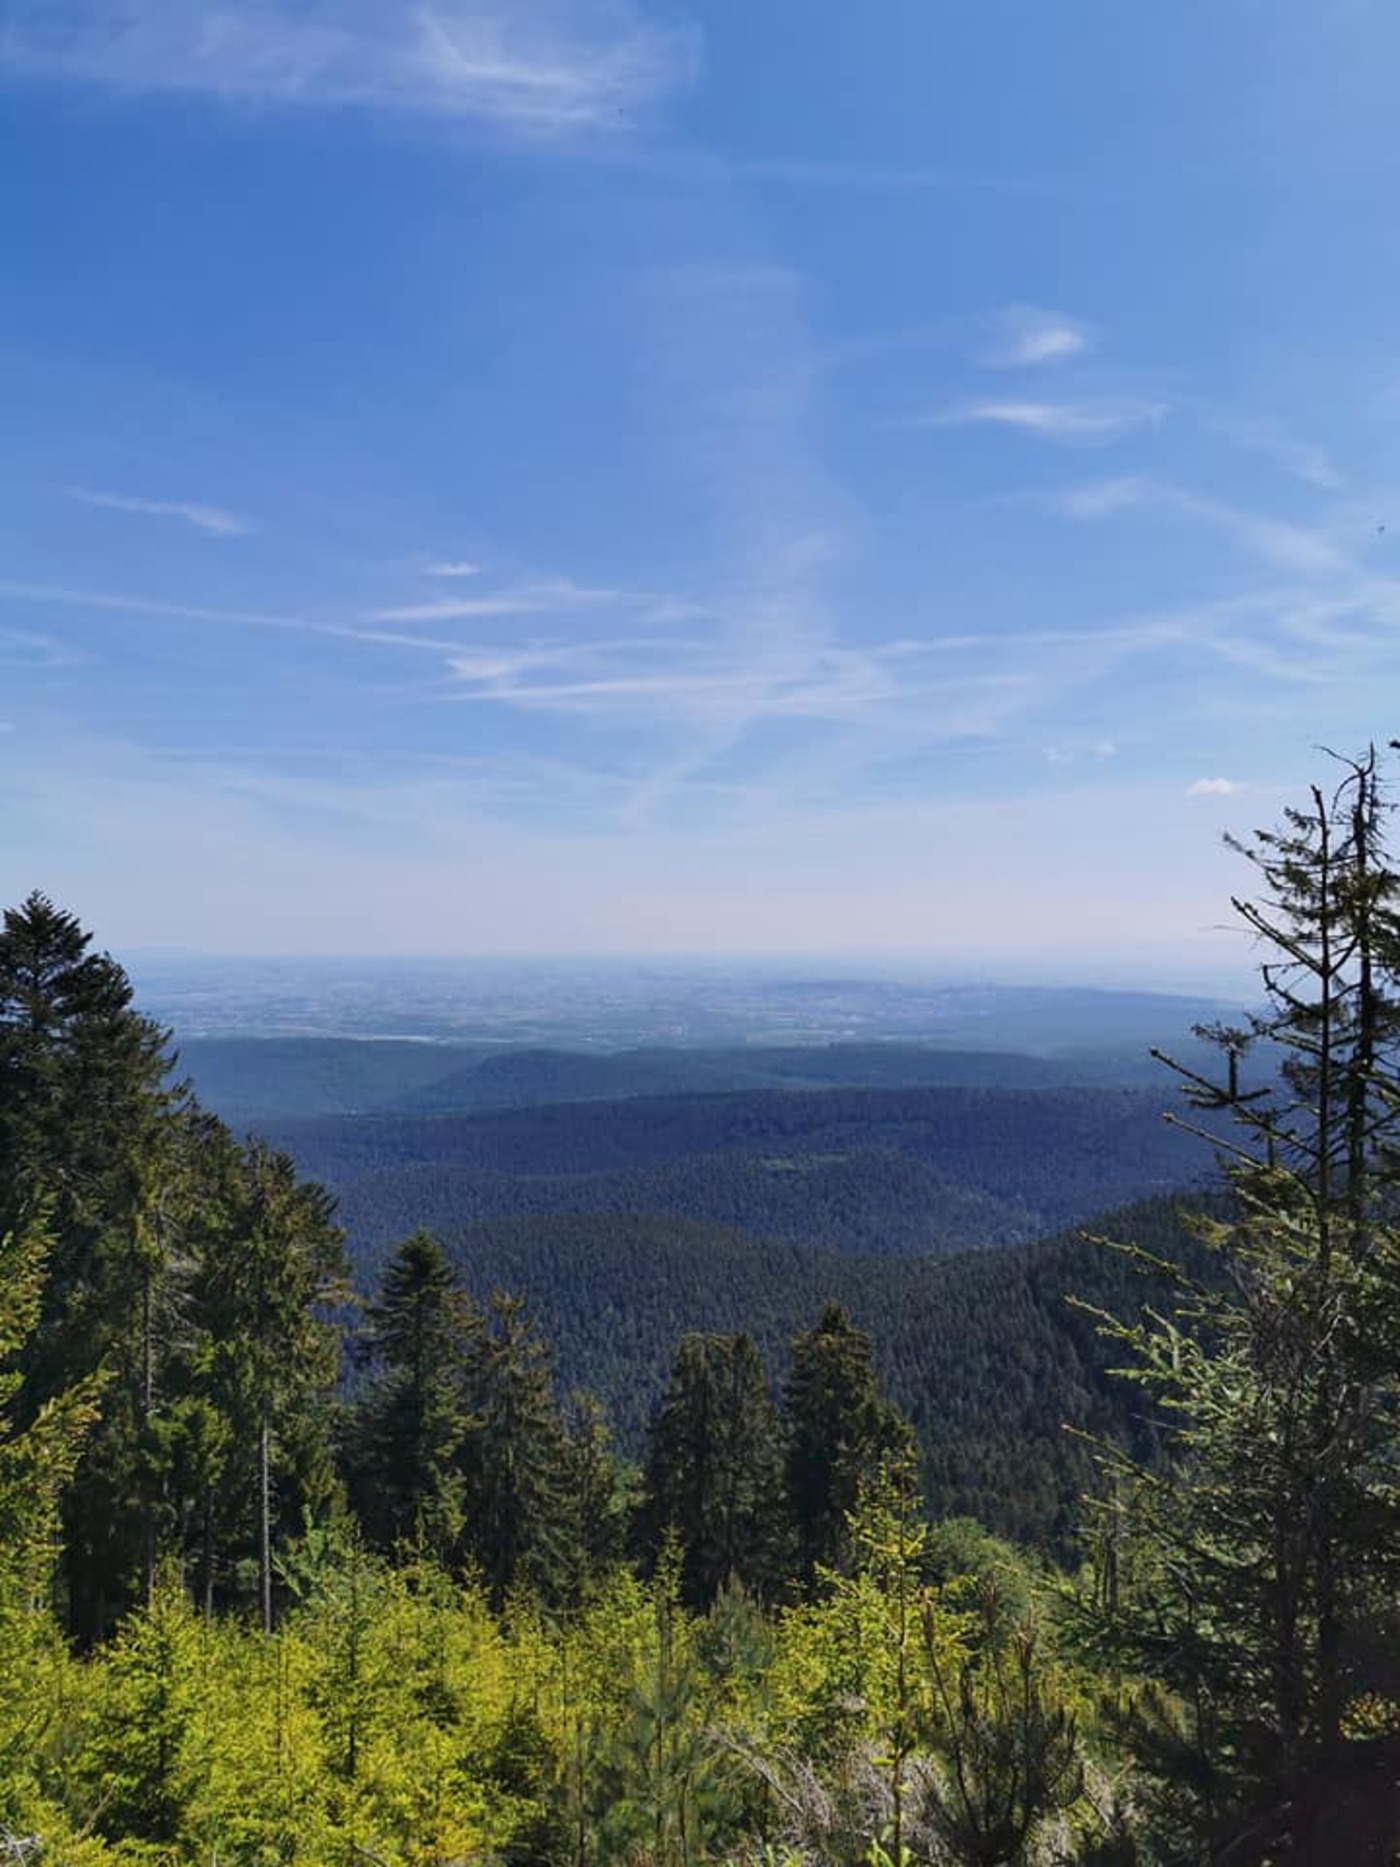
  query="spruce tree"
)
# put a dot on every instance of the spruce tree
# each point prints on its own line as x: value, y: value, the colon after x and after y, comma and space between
x: 714, y: 1475
x: 597, y: 1493
x: 840, y: 1430
x: 422, y: 1339
x: 514, y: 1460
x: 274, y: 1266
x: 84, y: 1116
x: 1255, y: 1576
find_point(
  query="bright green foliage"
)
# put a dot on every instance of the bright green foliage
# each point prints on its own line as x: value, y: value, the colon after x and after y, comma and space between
x: 656, y: 1772
x: 142, y: 1754
x: 36, y: 1462
x: 37, y: 1458
x: 840, y: 1430
x: 714, y: 1476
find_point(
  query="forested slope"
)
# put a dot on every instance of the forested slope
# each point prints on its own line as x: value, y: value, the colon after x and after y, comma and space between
x: 874, y: 1199
x: 982, y: 1351
x: 940, y: 1168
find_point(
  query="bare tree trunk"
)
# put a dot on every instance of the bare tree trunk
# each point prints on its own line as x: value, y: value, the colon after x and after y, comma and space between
x: 209, y: 1553
x: 148, y: 1401
x: 265, y: 1520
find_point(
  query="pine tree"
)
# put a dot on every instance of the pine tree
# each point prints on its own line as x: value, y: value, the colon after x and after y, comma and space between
x: 423, y: 1337
x: 715, y: 1468
x: 1254, y: 1576
x: 839, y: 1431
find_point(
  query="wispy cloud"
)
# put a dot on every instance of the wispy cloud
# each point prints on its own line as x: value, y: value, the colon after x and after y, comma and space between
x: 1101, y: 498
x: 518, y: 63
x: 1280, y: 542
x: 1069, y: 755
x: 31, y: 650
x: 1027, y: 338
x: 217, y: 520
x: 119, y: 603
x: 896, y: 178
x: 453, y: 567
x: 691, y: 682
x: 524, y: 599
x: 1064, y: 422
x: 1215, y: 787
x: 1302, y: 459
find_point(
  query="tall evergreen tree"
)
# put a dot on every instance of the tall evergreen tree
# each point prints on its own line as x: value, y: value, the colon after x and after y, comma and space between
x: 424, y: 1336
x: 514, y: 1459
x: 1256, y: 1576
x: 37, y: 1458
x: 714, y: 1475
x: 597, y: 1492
x: 84, y: 1108
x: 273, y: 1268
x: 839, y: 1431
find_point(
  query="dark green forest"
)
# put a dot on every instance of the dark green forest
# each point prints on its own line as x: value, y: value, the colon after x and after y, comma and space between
x: 764, y: 1474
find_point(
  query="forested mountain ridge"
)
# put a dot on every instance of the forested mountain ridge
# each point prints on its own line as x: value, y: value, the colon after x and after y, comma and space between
x: 248, y: 1080
x: 925, y: 1168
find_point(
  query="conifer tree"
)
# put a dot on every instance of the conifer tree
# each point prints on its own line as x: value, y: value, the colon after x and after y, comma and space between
x: 1255, y: 1576
x: 840, y: 1430
x: 597, y: 1495
x: 424, y: 1336
x: 36, y: 1459
x: 273, y: 1268
x: 513, y: 1459
x: 84, y: 1110
x: 715, y: 1469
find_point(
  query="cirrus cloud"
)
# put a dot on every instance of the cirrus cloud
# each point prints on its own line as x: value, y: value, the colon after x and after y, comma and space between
x: 216, y: 520
x: 525, y: 65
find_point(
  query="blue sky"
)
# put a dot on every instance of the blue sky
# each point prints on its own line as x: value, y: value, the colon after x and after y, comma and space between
x: 610, y: 477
